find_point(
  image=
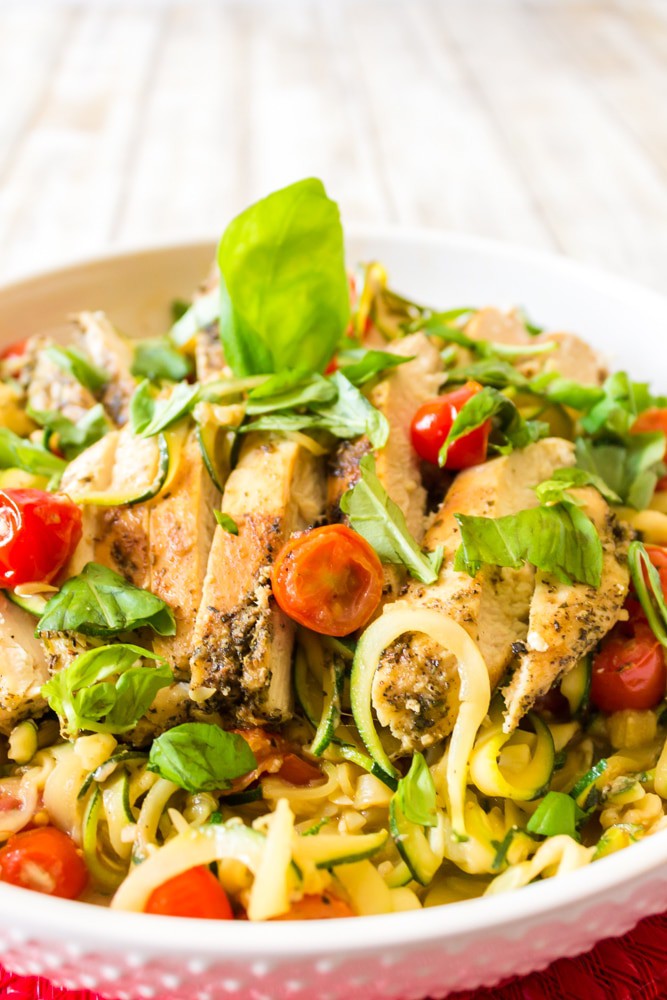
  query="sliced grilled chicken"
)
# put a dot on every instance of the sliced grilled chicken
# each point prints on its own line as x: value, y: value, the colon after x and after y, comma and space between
x: 566, y: 622
x: 415, y: 691
x: 502, y: 327
x: 113, y: 354
x: 209, y: 357
x: 181, y: 527
x: 23, y: 667
x: 243, y: 642
x: 52, y: 388
x: 573, y: 358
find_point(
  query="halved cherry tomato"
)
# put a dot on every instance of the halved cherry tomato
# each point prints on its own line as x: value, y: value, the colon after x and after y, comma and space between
x: 433, y: 421
x: 658, y: 557
x: 317, y: 908
x: 328, y: 579
x: 46, y: 860
x: 649, y: 422
x: 274, y: 755
x: 195, y: 893
x: 15, y: 350
x: 38, y: 533
x: 298, y: 771
x: 629, y: 669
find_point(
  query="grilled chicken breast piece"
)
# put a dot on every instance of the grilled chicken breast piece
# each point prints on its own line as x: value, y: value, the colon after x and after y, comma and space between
x: 567, y: 621
x: 502, y: 327
x: 243, y: 641
x: 24, y: 667
x: 113, y: 354
x: 415, y: 690
x: 52, y: 388
x: 181, y: 528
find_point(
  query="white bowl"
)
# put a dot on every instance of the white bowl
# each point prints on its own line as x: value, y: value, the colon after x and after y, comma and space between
x: 405, y: 955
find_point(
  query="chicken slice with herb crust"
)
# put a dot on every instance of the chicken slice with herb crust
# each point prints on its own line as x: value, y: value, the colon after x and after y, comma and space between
x: 52, y: 388
x: 567, y: 621
x: 113, y: 354
x: 415, y: 690
x: 24, y: 667
x: 243, y: 641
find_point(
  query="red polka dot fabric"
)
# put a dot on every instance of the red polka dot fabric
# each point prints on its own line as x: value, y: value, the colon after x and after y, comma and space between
x: 630, y: 968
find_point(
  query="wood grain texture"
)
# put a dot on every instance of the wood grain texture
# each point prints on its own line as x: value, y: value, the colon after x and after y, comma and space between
x: 536, y: 121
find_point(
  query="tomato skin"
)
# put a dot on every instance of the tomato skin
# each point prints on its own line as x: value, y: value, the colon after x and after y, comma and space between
x: 629, y: 668
x: 298, y: 771
x: 15, y: 350
x: 194, y: 893
x: 658, y: 557
x: 328, y: 579
x: 433, y: 421
x: 648, y: 422
x: 317, y: 908
x: 38, y: 533
x: 46, y: 860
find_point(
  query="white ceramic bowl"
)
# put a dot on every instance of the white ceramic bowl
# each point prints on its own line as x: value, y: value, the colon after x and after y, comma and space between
x: 405, y: 955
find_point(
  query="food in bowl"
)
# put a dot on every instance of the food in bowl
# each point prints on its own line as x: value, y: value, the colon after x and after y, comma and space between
x: 326, y: 603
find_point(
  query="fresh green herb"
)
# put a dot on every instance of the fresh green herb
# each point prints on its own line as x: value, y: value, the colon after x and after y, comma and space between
x: 226, y: 522
x: 103, y: 691
x: 510, y: 430
x: 381, y: 522
x: 360, y: 366
x: 178, y: 308
x: 621, y: 403
x: 490, y: 371
x: 316, y: 827
x: 288, y: 390
x: 20, y: 453
x: 416, y: 793
x: 158, y: 360
x: 74, y: 361
x: 533, y: 329
x: 559, y: 539
x: 439, y: 326
x: 556, y: 814
x: 203, y: 311
x: 200, y: 757
x: 73, y: 438
x: 285, y: 295
x: 149, y: 416
x: 630, y: 469
x: 549, y: 386
x: 555, y: 490
x: 648, y: 587
x: 100, y: 602
x: 348, y: 416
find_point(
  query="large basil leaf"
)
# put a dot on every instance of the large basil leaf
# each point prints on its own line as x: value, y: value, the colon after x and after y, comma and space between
x: 200, y: 757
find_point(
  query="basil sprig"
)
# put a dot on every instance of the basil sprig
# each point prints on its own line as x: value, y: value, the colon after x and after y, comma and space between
x: 200, y: 757
x: 107, y: 689
x: 375, y: 516
x: 101, y: 602
x: 284, y: 289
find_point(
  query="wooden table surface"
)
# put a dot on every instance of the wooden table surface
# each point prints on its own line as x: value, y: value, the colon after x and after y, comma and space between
x: 542, y: 122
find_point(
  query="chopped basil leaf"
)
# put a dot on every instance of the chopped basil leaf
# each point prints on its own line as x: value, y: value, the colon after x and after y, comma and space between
x: 20, y: 453
x: 360, y: 366
x: 490, y: 371
x: 381, y: 522
x: 630, y: 469
x: 203, y: 311
x: 556, y: 814
x: 200, y: 757
x: 647, y: 584
x: 416, y: 793
x: 100, y: 602
x: 565, y: 391
x: 74, y: 361
x: 621, y: 403
x: 511, y: 431
x: 436, y: 326
x: 149, y: 416
x: 102, y: 691
x: 226, y: 522
x: 559, y: 539
x: 289, y: 389
x: 73, y: 438
x: 158, y: 360
x: 554, y: 490
x: 285, y: 294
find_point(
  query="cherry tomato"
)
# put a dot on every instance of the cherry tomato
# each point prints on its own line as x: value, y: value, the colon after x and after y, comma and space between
x: 195, y: 893
x: 317, y: 908
x: 658, y: 557
x: 433, y: 421
x: 331, y: 367
x: 328, y: 579
x: 46, y: 860
x: 15, y: 350
x: 629, y: 669
x: 649, y: 422
x: 298, y: 771
x: 38, y: 533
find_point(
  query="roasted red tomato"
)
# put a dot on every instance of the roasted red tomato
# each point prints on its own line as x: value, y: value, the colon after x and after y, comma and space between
x: 317, y: 908
x: 38, y: 533
x: 658, y: 557
x: 629, y: 669
x: 433, y: 421
x: 45, y: 860
x: 195, y: 893
x: 328, y: 579
x: 15, y: 350
x: 649, y: 422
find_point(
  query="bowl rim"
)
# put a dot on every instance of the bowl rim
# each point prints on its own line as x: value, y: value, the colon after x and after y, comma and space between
x: 120, y: 930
